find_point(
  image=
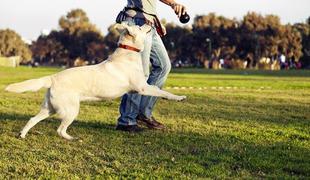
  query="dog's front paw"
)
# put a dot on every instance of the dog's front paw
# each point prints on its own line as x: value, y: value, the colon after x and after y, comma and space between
x: 21, y: 136
x: 181, y: 98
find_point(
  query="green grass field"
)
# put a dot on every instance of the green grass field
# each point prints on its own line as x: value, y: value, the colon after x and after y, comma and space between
x: 234, y: 124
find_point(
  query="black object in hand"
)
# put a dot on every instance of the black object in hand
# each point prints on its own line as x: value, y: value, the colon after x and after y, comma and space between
x: 184, y: 18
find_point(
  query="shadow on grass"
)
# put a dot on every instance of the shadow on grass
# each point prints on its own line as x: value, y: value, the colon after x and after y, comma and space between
x: 12, y: 116
x: 190, y: 153
x: 21, y: 120
x: 282, y: 73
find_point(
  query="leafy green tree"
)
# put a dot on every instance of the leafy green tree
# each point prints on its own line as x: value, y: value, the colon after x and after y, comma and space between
x: 79, y: 35
x: 11, y: 44
x: 178, y: 41
x: 49, y: 50
x: 266, y: 37
x: 78, y: 38
x: 215, y: 33
x: 304, y: 30
x: 76, y: 22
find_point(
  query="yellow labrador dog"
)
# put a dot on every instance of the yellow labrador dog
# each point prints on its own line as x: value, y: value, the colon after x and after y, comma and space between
x: 121, y: 73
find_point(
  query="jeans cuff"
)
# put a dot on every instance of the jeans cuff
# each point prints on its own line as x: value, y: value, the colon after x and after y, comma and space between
x: 126, y: 122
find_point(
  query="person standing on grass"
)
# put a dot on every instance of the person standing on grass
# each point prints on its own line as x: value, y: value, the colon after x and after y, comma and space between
x: 136, y: 109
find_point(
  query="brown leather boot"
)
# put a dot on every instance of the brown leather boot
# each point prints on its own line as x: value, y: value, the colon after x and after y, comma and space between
x: 151, y: 122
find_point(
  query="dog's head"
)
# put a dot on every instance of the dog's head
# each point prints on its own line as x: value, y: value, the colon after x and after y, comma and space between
x: 132, y: 35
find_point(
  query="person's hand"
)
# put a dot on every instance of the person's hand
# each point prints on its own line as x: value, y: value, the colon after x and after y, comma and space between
x: 179, y: 9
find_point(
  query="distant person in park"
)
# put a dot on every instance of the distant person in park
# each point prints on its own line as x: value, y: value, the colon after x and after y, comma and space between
x: 134, y: 108
x: 283, y: 61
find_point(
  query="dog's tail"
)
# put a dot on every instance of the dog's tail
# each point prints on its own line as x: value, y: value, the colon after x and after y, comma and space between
x: 30, y: 85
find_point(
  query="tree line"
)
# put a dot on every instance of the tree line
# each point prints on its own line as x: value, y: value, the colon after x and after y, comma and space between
x: 210, y: 41
x: 256, y: 37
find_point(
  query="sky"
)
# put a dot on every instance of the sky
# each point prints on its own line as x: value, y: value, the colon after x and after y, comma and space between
x: 30, y: 17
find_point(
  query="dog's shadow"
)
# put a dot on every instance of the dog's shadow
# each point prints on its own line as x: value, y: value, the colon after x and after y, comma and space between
x: 51, y: 122
x: 13, y: 116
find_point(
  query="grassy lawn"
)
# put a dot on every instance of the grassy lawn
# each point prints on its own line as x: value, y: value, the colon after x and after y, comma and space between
x: 234, y: 124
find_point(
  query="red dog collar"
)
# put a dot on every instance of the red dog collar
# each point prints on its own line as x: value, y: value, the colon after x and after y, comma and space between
x: 128, y: 47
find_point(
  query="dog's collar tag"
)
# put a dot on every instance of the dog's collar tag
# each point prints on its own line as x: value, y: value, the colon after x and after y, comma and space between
x: 128, y: 47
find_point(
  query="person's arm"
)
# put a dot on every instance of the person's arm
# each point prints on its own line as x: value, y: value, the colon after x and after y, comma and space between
x: 179, y: 9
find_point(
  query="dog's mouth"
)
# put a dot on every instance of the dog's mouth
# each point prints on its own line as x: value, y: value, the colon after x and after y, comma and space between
x: 149, y: 31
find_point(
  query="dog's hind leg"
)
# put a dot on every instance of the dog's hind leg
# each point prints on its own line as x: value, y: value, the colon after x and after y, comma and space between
x: 67, y: 114
x: 46, y: 111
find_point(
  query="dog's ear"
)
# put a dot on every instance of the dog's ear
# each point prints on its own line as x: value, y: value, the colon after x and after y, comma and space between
x: 146, y: 28
x: 120, y: 27
x: 123, y: 27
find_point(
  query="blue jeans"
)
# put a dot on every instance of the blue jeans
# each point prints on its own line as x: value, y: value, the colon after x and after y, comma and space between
x: 155, y: 53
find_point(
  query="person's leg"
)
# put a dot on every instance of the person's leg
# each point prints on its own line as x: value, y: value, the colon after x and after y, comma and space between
x: 130, y: 103
x: 161, y: 67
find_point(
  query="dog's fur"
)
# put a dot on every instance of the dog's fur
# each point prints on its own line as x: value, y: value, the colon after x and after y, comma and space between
x: 121, y: 73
